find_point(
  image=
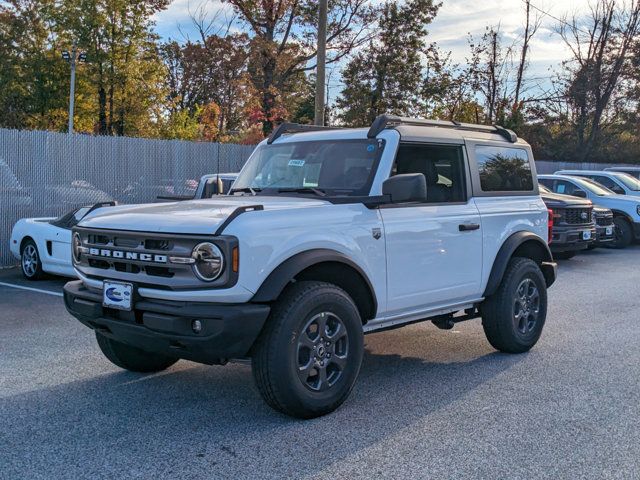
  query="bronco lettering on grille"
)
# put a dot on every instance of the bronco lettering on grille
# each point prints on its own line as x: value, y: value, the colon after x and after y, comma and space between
x: 143, y: 257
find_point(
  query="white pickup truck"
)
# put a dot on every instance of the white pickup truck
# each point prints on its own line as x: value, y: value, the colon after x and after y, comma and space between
x: 327, y: 234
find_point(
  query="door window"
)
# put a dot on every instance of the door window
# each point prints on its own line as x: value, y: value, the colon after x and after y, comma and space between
x: 609, y: 183
x: 442, y: 167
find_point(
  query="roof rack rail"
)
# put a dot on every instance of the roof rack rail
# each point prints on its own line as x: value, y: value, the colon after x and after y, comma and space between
x: 289, y: 127
x: 384, y: 121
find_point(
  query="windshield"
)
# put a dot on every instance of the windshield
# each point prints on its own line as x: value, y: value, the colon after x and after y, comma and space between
x: 343, y: 167
x: 595, y: 187
x: 630, y: 182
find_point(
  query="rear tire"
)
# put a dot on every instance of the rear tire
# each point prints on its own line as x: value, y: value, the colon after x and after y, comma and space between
x: 306, y: 360
x: 30, y: 263
x: 565, y: 255
x: 131, y: 358
x: 514, y: 316
x: 623, y: 233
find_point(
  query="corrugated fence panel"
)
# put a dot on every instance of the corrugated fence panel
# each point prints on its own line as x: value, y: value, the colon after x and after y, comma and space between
x: 44, y: 174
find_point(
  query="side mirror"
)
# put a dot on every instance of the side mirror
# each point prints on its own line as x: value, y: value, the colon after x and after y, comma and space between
x: 409, y: 187
x: 580, y: 193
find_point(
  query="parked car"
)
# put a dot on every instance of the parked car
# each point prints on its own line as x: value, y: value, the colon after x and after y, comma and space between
x: 633, y: 171
x: 208, y: 186
x: 605, y: 227
x: 625, y: 208
x: 167, y: 190
x: 327, y: 234
x: 574, y: 227
x: 617, y: 182
x: 11, y: 190
x: 44, y: 244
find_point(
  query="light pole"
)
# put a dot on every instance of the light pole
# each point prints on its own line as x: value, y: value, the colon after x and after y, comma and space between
x: 73, y: 58
x: 322, y: 60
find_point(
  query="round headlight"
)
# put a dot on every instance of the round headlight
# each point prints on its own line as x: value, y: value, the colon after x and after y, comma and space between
x: 209, y: 261
x: 77, y: 247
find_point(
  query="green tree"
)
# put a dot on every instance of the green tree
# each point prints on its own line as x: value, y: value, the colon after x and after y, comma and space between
x: 386, y: 76
x: 126, y: 71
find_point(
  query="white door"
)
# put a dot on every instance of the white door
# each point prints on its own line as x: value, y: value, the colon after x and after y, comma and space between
x: 434, y: 250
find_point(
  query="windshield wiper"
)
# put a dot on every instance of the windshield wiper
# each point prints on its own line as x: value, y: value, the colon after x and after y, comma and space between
x: 317, y: 191
x: 250, y: 190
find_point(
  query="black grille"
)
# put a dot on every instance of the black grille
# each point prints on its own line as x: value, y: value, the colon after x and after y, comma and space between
x: 604, y: 220
x: 577, y: 216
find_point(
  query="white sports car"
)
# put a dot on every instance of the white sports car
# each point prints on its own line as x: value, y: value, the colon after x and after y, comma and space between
x: 44, y: 244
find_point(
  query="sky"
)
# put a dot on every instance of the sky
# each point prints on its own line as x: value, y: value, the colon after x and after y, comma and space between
x: 455, y: 20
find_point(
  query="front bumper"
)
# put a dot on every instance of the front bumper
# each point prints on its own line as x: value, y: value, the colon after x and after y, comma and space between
x: 601, y: 235
x: 228, y: 330
x: 570, y: 239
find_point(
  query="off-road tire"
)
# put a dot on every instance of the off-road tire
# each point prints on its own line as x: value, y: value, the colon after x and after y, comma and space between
x: 623, y: 233
x: 30, y: 263
x: 501, y: 326
x: 131, y: 358
x: 565, y: 255
x: 276, y: 357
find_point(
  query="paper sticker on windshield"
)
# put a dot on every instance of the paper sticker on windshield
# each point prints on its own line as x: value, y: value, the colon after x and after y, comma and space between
x: 296, y: 163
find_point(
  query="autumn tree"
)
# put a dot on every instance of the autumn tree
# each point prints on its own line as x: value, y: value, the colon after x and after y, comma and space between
x: 283, y: 44
x: 210, y: 70
x: 33, y: 78
x: 386, y: 75
x: 589, y: 86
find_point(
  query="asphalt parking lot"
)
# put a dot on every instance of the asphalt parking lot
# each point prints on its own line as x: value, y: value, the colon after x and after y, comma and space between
x: 428, y: 404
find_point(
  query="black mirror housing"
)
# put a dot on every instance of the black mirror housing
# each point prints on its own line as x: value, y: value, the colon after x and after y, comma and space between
x: 408, y: 187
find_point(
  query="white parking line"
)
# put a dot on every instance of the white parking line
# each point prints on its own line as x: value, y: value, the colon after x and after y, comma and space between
x: 39, y: 290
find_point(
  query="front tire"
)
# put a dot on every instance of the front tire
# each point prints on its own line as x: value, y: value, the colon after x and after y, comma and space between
x: 131, y: 358
x: 307, y: 359
x: 623, y: 233
x: 30, y: 262
x: 514, y: 316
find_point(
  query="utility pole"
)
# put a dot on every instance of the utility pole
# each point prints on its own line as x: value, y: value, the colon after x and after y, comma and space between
x: 73, y: 58
x: 72, y: 92
x: 322, y: 60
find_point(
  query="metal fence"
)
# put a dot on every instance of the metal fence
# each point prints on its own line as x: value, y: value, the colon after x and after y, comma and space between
x: 45, y: 174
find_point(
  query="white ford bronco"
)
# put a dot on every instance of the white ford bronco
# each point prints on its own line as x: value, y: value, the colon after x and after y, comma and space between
x: 327, y: 234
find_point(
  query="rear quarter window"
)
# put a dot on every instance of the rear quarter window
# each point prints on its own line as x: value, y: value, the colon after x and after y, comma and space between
x: 504, y: 169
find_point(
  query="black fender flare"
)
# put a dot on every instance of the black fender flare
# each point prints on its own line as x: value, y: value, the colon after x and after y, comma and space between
x: 280, y: 277
x: 508, y: 248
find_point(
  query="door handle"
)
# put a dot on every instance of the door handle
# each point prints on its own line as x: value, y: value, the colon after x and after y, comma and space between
x: 469, y: 227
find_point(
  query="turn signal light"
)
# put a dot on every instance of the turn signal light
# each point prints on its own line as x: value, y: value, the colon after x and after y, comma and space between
x: 235, y: 260
x: 550, y: 225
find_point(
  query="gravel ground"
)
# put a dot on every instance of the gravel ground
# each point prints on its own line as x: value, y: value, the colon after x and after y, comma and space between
x: 428, y: 404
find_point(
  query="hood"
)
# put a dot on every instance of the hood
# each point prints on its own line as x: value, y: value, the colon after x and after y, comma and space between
x: 601, y: 210
x: 616, y: 200
x: 558, y: 200
x: 200, y: 217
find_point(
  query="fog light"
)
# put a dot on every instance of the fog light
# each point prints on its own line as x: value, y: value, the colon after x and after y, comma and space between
x: 196, y: 326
